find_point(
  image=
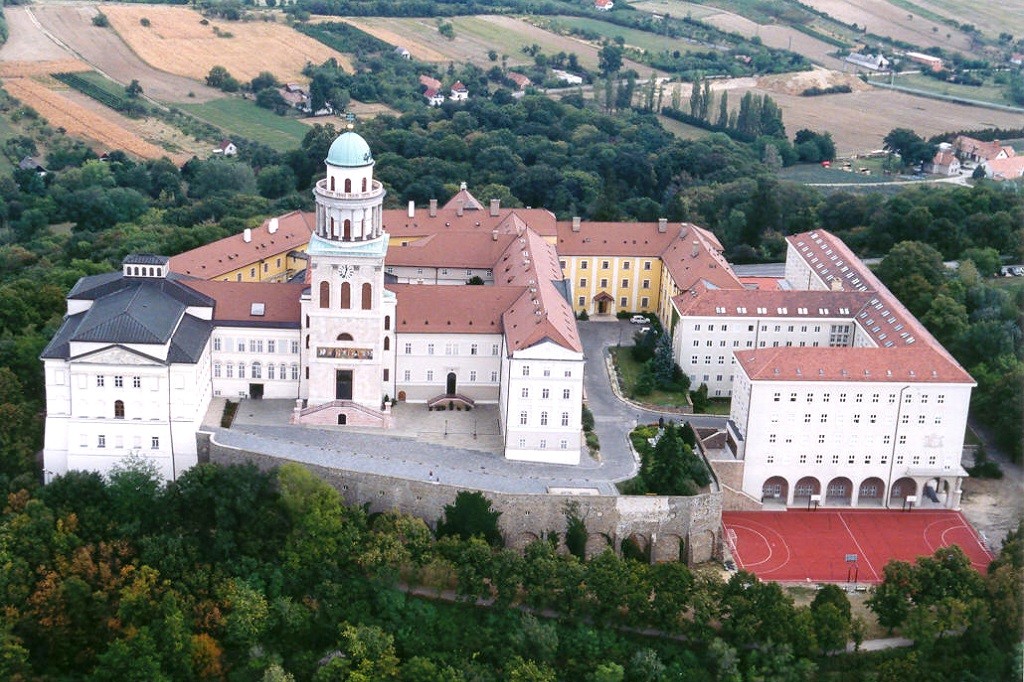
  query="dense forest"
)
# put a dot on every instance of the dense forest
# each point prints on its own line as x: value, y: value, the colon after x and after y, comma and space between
x: 233, y: 574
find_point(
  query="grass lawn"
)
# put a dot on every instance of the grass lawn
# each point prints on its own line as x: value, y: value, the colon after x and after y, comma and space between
x: 813, y: 173
x: 720, y: 406
x: 650, y: 42
x: 682, y: 130
x: 243, y: 117
x: 103, y: 83
x: 6, y: 132
x: 988, y: 92
x: 629, y: 370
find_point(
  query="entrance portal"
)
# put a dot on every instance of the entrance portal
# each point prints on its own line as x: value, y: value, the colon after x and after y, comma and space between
x: 450, y: 390
x: 256, y: 391
x: 343, y: 384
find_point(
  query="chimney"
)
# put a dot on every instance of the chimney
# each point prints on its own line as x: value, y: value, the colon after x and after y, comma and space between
x: 247, y: 235
x: 433, y: 208
x: 412, y: 208
x: 495, y: 205
x: 662, y: 225
x: 696, y: 249
x: 576, y: 223
x: 272, y: 226
x: 494, y: 235
x: 458, y: 209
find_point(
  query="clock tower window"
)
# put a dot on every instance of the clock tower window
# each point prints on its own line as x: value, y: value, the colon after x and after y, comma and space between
x: 347, y: 228
x: 325, y: 295
x: 367, y: 296
x: 346, y: 295
x: 348, y: 186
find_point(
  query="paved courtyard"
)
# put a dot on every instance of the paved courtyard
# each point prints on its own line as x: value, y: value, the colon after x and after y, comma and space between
x: 458, y: 448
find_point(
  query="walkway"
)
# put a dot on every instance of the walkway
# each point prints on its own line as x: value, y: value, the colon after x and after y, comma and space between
x: 440, y: 445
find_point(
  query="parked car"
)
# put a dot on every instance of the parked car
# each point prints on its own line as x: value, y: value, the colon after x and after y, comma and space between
x: 639, y: 319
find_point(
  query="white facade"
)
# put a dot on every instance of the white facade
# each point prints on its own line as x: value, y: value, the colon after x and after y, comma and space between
x: 430, y: 365
x: 857, y: 443
x: 249, y: 362
x: 440, y: 275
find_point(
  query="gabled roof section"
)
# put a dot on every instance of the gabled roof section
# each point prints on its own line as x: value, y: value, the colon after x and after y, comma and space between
x: 399, y: 225
x: 694, y: 259
x: 425, y: 309
x: 225, y: 255
x: 189, y: 340
x: 477, y: 250
x: 902, y: 365
x: 770, y: 303
x: 239, y: 303
x: 135, y: 314
x: 463, y: 198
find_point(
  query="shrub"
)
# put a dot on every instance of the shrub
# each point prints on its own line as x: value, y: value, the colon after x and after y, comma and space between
x: 144, y: 21
x: 100, y: 20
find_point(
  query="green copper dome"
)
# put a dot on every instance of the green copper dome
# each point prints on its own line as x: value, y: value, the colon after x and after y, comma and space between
x: 349, y: 150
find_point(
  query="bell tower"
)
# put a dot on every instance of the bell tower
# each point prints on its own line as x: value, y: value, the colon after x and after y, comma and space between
x: 348, y: 318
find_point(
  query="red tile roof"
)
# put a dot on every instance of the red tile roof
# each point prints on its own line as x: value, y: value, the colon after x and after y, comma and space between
x: 1006, y: 169
x: 901, y: 365
x: 234, y: 301
x: 452, y: 309
x: 695, y: 260
x: 774, y: 303
x: 464, y: 199
x: 980, y: 149
x: 761, y: 283
x: 520, y: 79
x: 450, y: 249
x: 508, y: 221
x: 231, y: 253
x: 431, y: 83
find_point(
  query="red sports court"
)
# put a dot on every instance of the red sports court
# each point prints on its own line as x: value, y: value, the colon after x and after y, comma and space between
x: 841, y: 546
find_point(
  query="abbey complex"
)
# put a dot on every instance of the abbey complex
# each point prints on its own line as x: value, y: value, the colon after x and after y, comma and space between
x: 839, y: 395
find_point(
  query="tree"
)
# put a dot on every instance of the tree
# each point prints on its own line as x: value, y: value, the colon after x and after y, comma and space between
x: 264, y: 80
x: 913, y: 271
x: 271, y: 98
x: 891, y: 600
x: 831, y: 614
x: 910, y: 146
x: 133, y: 89
x: 274, y: 182
x: 221, y: 79
x: 470, y: 515
x: 663, y: 363
x: 609, y: 59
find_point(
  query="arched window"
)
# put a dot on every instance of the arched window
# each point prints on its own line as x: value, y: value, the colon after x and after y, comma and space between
x: 325, y: 294
x: 348, y: 186
x: 332, y: 183
x: 367, y: 296
x: 118, y: 409
x: 387, y: 343
x: 346, y: 295
x: 257, y: 370
x: 345, y: 336
x: 307, y: 341
x: 364, y: 184
x: 347, y: 225
x: 270, y: 370
x: 282, y: 373
x: 387, y: 322
x: 334, y: 229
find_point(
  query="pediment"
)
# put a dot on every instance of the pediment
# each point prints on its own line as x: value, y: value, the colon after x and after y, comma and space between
x: 117, y: 355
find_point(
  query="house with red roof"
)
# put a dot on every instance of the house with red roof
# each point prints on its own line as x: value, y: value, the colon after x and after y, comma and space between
x: 459, y: 92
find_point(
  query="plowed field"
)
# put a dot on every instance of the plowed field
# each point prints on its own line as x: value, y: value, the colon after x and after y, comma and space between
x: 61, y: 112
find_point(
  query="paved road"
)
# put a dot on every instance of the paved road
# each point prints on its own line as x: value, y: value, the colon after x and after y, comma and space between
x: 405, y: 457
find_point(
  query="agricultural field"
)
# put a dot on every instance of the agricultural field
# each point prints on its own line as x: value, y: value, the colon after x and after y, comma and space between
x: 475, y: 36
x: 859, y: 120
x: 238, y: 116
x: 983, y: 93
x: 676, y: 8
x: 104, y: 50
x: 882, y: 17
x: 684, y: 131
x: 177, y: 41
x: 815, y: 174
x: 26, y: 43
x: 60, y: 111
x: 991, y: 18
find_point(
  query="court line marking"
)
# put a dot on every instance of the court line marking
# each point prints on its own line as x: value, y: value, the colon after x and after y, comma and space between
x: 771, y: 552
x: 859, y: 548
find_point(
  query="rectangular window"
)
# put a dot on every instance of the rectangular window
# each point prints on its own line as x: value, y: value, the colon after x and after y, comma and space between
x: 154, y: 443
x: 100, y: 380
x: 494, y: 349
x: 494, y: 377
x: 543, y: 418
x: 625, y: 283
x: 583, y: 265
x: 430, y: 375
x: 604, y: 283
x: 565, y: 394
x: 623, y: 302
x: 473, y: 348
x: 565, y: 419
x: 407, y: 375
x: 101, y: 441
x: 430, y: 349
x: 229, y: 370
x: 525, y: 393
x: 216, y: 343
x: 387, y: 375
x: 523, y: 418
x: 526, y: 370
x: 408, y: 349
x: 241, y: 345
x: 604, y: 265
x: 522, y: 442
x: 647, y: 265
x: 241, y: 370
x: 271, y: 371
x: 136, y: 382
x: 563, y: 444
x: 451, y: 349
x: 472, y: 375
x: 295, y: 347
x: 295, y: 372
x: 583, y: 282
x: 545, y: 393
x: 644, y: 301
x: 582, y: 301
x: 271, y: 346
x: 216, y: 370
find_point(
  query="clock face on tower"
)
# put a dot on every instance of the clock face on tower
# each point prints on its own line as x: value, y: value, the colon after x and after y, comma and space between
x: 345, y: 271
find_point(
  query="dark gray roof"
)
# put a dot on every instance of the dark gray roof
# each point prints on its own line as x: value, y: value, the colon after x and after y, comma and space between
x: 144, y: 259
x: 135, y: 310
x: 189, y: 340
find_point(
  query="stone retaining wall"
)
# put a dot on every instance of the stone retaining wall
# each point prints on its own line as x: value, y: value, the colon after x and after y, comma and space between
x: 670, y: 528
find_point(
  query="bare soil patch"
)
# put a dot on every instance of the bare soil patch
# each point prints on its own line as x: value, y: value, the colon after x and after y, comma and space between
x: 27, y: 40
x: 176, y: 41
x: 882, y: 18
x: 376, y: 28
x: 104, y: 49
x: 78, y: 121
x: 795, y: 83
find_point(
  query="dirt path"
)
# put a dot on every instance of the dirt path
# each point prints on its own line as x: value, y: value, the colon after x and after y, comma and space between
x: 994, y: 507
x: 104, y: 49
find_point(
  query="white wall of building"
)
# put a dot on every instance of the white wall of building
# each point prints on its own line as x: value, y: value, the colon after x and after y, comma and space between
x: 242, y: 356
x: 408, y: 274
x: 423, y: 362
